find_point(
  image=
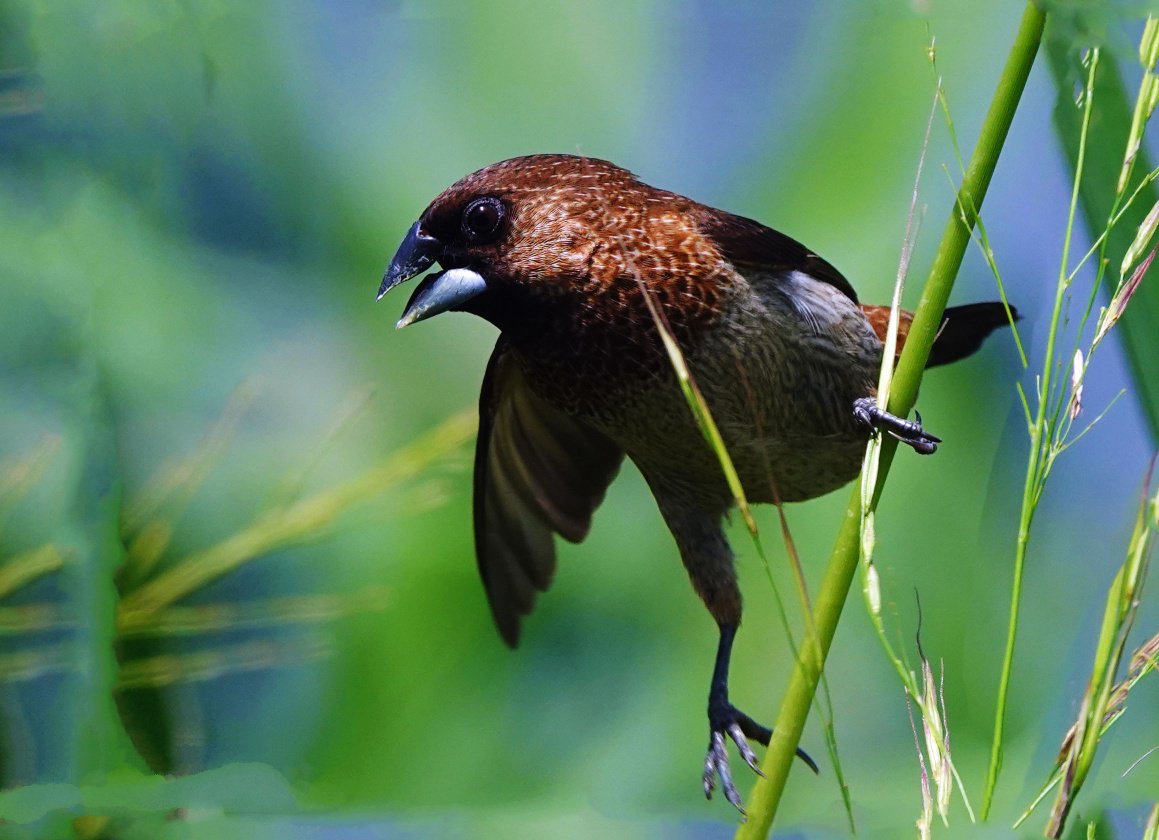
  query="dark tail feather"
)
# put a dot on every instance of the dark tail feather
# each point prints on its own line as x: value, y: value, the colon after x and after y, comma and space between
x: 965, y: 328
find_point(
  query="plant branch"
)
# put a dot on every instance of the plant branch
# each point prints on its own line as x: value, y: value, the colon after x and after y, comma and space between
x: 794, y: 710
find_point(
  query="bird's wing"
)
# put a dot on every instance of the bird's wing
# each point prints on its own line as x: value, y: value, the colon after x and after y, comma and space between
x: 537, y: 471
x: 747, y: 243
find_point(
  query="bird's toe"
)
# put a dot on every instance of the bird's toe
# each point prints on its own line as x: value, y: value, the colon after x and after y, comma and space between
x: 727, y: 723
x: 910, y: 432
x: 746, y: 752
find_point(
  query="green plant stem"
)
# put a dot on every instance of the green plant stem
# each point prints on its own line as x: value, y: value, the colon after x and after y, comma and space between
x: 1098, y: 704
x: 1139, y: 327
x: 790, y: 723
x: 1041, y: 441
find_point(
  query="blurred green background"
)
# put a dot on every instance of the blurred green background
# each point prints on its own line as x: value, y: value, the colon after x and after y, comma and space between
x: 206, y: 419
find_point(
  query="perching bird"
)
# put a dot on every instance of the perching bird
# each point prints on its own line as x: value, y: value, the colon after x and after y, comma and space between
x: 558, y: 252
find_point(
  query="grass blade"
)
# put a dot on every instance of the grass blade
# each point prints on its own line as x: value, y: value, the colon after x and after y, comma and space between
x: 1042, y: 438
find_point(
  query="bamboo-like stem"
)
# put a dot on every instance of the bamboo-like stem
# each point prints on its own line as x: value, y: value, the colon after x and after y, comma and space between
x: 790, y: 723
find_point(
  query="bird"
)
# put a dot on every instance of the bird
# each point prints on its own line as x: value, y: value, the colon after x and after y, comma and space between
x: 584, y: 269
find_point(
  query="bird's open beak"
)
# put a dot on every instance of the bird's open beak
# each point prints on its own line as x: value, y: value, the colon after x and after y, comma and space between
x: 437, y: 292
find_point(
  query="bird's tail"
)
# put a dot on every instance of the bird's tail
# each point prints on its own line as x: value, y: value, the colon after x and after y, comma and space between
x: 963, y: 330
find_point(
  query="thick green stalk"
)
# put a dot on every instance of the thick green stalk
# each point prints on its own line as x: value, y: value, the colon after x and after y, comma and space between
x: 790, y: 723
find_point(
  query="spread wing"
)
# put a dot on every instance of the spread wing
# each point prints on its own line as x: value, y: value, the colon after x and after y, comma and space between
x: 537, y: 472
x: 747, y: 243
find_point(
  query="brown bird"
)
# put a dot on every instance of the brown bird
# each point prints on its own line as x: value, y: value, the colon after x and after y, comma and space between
x: 559, y: 252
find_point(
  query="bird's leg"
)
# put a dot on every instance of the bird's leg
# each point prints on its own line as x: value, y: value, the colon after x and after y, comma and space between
x: 708, y: 558
x: 909, y: 432
x: 725, y: 719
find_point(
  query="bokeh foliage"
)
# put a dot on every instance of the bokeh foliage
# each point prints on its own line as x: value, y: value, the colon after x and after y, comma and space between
x: 196, y: 201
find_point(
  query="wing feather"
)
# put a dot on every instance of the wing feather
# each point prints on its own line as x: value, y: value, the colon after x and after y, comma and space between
x: 538, y: 472
x: 749, y: 244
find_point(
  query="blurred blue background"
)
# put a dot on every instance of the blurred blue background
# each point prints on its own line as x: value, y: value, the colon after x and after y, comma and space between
x: 234, y: 502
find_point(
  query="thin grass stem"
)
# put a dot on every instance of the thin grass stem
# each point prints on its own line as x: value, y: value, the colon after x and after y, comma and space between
x: 1037, y: 466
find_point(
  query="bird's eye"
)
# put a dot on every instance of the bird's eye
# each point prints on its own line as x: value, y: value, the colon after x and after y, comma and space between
x: 482, y: 218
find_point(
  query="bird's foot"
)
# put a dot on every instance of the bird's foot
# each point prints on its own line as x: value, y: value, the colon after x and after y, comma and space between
x: 726, y: 721
x: 909, y: 432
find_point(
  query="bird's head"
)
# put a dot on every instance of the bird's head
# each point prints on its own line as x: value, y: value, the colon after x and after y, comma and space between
x: 536, y: 228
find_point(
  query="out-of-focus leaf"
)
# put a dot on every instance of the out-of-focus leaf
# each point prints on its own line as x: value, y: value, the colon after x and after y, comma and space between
x: 1151, y: 832
x: 54, y: 385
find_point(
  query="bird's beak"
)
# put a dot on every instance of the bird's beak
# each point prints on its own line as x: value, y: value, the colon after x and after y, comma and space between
x: 437, y: 292
x: 416, y: 254
x: 441, y: 292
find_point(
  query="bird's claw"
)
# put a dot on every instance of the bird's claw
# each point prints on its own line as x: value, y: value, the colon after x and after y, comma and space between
x: 738, y: 727
x: 910, y: 432
x: 716, y: 764
x: 746, y: 752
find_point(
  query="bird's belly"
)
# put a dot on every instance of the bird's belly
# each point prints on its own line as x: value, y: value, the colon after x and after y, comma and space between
x: 784, y: 408
x: 788, y: 466
x: 784, y: 446
x: 793, y: 470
